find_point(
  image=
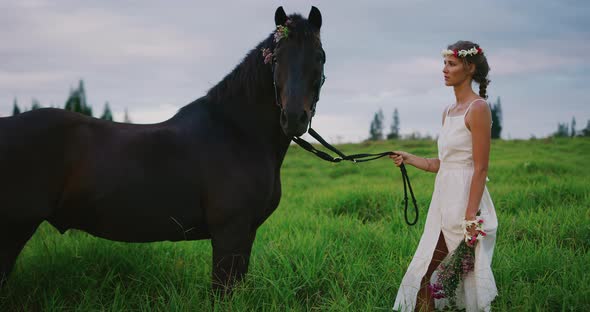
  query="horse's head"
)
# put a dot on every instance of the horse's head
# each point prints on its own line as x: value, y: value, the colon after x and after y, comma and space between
x: 298, y: 68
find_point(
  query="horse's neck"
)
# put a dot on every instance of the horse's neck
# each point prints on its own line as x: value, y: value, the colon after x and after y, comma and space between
x: 246, y: 98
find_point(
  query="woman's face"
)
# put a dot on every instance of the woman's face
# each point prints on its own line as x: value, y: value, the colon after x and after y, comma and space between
x: 455, y: 73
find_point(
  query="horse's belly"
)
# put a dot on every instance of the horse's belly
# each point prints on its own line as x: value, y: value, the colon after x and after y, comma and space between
x: 150, y: 230
x: 142, y: 229
x: 135, y: 223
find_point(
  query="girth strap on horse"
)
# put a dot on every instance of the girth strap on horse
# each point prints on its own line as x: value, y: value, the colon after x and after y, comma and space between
x: 356, y: 158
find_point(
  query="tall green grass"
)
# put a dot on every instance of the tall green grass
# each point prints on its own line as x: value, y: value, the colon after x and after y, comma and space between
x: 337, y: 242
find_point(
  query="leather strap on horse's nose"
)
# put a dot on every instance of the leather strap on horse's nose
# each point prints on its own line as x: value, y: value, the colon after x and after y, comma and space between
x: 356, y: 158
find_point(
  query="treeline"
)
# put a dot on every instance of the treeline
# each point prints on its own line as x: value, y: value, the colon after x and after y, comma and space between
x: 76, y: 102
x: 376, y: 132
x: 569, y: 130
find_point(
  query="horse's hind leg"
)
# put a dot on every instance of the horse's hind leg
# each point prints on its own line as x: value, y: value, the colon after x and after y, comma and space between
x: 14, y: 234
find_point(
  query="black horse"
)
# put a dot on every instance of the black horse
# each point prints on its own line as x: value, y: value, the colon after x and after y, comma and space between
x: 212, y: 171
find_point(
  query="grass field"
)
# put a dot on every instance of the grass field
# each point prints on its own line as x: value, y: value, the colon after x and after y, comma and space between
x: 338, y: 242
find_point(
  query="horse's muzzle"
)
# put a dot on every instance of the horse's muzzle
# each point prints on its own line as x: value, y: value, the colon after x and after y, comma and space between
x: 294, y: 124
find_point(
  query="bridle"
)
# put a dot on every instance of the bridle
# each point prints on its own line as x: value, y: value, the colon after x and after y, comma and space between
x: 355, y: 158
x: 317, y: 93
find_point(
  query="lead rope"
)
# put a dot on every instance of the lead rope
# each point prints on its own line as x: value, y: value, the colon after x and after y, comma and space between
x: 356, y: 158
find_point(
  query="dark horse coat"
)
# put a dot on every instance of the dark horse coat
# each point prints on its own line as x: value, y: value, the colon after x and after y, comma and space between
x: 212, y: 171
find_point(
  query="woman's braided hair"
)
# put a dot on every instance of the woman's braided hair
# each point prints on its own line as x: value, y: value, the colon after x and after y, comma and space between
x: 481, y: 65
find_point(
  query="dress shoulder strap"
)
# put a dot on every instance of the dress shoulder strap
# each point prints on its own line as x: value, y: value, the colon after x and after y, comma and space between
x: 446, y: 114
x: 468, y: 107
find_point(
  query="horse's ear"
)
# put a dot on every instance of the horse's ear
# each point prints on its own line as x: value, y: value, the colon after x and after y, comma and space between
x: 315, y: 17
x: 280, y: 16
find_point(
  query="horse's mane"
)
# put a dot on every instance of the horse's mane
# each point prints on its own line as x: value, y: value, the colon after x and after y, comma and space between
x: 252, y: 75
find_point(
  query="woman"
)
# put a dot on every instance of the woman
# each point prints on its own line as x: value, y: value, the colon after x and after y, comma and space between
x: 460, y: 193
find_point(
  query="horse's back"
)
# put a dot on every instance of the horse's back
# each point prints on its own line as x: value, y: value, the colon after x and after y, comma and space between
x: 31, y: 159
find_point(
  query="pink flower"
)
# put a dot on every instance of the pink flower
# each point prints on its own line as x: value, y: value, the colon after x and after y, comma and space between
x: 436, y: 291
x: 472, y: 240
x: 280, y: 33
x: 452, y: 270
x: 480, y: 221
x: 267, y: 55
x: 467, y: 263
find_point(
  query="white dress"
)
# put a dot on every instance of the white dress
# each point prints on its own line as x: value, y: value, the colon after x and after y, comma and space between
x: 446, y: 212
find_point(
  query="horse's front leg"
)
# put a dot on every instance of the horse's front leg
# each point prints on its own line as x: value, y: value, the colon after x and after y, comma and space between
x: 232, y: 245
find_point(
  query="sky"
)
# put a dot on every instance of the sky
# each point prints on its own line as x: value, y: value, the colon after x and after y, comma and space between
x: 153, y: 57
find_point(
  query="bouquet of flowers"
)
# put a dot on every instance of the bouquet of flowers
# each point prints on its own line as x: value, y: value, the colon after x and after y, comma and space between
x: 456, y: 265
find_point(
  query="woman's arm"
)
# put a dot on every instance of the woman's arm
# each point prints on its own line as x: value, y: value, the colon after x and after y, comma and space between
x: 479, y: 121
x: 426, y: 164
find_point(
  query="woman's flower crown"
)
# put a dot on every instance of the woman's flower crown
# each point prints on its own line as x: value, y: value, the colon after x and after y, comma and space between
x: 462, y: 53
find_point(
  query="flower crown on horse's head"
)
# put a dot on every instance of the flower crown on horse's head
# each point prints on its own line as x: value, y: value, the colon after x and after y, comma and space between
x: 281, y: 32
x: 462, y: 53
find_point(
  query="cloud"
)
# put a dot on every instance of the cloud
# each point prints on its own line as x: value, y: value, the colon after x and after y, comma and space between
x: 376, y: 81
x: 153, y: 114
x: 380, y: 55
x: 17, y: 80
x: 98, y: 36
x: 539, y: 56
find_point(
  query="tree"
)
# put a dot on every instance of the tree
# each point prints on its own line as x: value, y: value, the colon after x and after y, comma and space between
x: 586, y: 131
x: 573, y: 132
x: 77, y: 101
x: 107, y: 115
x: 376, y: 130
x: 562, y: 130
x: 126, y: 118
x: 35, y: 105
x: 394, y: 131
x: 82, y: 93
x: 496, y: 119
x: 15, y: 109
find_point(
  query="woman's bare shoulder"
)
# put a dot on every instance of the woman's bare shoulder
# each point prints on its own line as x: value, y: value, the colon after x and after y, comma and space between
x: 480, y: 105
